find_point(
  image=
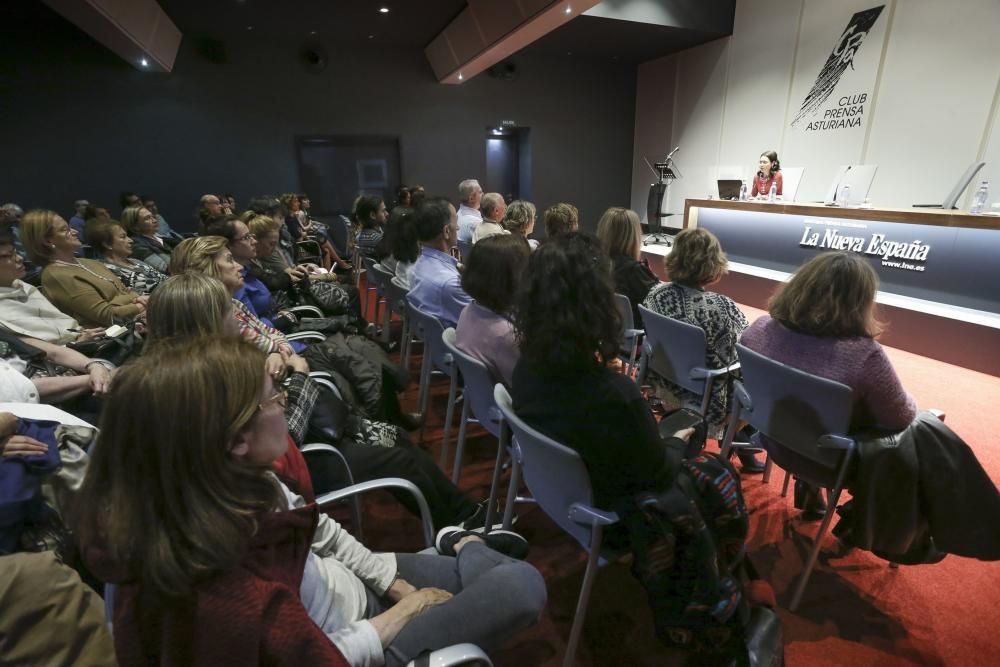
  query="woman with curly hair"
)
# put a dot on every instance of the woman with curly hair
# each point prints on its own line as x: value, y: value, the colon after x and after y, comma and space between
x: 568, y: 329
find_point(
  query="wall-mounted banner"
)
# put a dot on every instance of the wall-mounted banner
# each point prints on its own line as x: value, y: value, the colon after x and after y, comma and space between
x: 952, y: 265
x: 849, y: 107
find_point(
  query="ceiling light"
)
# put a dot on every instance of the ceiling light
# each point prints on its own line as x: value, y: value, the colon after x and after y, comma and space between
x: 312, y: 32
x: 460, y: 76
x: 383, y: 10
x: 249, y: 27
x: 569, y: 10
x: 144, y: 62
x: 371, y: 36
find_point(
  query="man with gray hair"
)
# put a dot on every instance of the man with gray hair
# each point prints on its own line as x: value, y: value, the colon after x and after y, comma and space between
x: 469, y: 217
x: 493, y: 208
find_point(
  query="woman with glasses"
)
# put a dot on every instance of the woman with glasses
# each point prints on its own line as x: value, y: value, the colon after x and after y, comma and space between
x: 82, y: 288
x: 216, y: 561
x: 112, y: 245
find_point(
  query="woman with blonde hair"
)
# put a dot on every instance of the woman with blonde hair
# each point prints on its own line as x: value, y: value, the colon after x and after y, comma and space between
x: 216, y: 561
x: 520, y: 219
x: 695, y: 263
x: 620, y: 234
x: 82, y: 288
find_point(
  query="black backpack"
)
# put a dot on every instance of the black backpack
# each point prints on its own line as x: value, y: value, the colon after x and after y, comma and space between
x: 688, y: 547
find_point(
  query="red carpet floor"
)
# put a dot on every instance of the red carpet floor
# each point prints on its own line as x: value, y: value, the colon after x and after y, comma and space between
x: 856, y: 611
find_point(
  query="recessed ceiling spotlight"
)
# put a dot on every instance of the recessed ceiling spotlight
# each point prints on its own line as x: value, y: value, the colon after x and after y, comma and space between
x: 312, y: 32
x: 383, y: 10
x: 144, y: 62
x: 460, y: 76
x: 569, y: 10
x: 371, y: 36
x: 249, y: 27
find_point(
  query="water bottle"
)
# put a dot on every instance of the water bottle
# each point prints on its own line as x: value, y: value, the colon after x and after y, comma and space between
x: 845, y: 195
x: 772, y: 194
x: 743, y: 191
x: 979, y: 199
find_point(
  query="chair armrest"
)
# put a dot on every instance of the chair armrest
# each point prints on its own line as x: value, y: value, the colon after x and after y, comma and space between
x: 305, y: 309
x: 306, y: 335
x: 326, y: 381
x: 591, y: 516
x: 701, y: 373
x: 835, y: 442
x: 386, y: 483
x: 457, y: 654
x: 314, y: 447
x: 742, y: 395
x: 632, y: 333
x: 927, y: 206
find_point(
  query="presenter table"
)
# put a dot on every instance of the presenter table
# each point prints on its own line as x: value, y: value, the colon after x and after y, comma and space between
x: 939, y: 269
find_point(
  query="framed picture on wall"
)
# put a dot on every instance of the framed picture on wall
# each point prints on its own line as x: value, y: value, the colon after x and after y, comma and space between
x: 372, y: 174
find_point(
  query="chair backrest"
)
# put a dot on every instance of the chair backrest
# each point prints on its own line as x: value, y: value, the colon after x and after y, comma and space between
x: 430, y: 330
x: 554, y: 473
x: 395, y: 294
x: 374, y: 278
x: 464, y: 247
x: 339, y: 234
x: 478, y: 381
x: 790, y: 179
x: 794, y: 408
x: 673, y: 348
x: 625, y: 309
x: 963, y: 182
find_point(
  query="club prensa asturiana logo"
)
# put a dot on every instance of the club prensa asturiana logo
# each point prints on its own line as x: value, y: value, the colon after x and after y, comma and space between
x: 842, y: 57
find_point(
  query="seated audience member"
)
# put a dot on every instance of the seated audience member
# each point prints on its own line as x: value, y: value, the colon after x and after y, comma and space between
x: 242, y: 243
x: 49, y: 616
x: 209, y: 255
x: 293, y: 218
x: 10, y: 221
x: 129, y: 199
x: 163, y: 229
x: 400, y: 241
x: 264, y: 573
x: 561, y: 219
x: 25, y: 312
x: 620, y: 234
x: 112, y: 245
x: 695, y: 263
x: 493, y: 209
x: 435, y: 284
x: 192, y: 305
x: 402, y: 197
x: 82, y: 288
x: 418, y: 195
x: 491, y: 277
x: 371, y: 214
x: 362, y: 370
x: 141, y: 225
x: 78, y: 220
x: 209, y: 208
x: 470, y: 195
x: 63, y: 374
x: 568, y: 330
x: 822, y: 321
x: 520, y: 219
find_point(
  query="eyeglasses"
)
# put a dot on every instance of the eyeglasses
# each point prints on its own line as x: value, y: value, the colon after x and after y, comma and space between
x: 281, y: 398
x: 246, y: 237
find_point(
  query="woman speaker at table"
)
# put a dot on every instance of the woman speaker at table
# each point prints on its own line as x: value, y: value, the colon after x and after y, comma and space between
x: 768, y: 172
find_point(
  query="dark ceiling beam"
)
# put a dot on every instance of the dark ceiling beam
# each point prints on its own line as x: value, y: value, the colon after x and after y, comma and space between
x: 137, y: 30
x: 488, y: 31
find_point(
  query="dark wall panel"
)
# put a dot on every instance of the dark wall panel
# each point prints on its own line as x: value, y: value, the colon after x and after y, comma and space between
x: 75, y: 121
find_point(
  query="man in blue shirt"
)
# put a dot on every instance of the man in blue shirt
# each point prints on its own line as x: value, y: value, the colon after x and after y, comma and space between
x: 78, y: 220
x: 436, y: 285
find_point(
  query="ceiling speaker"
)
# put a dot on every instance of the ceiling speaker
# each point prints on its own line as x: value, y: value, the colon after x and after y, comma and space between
x: 505, y: 71
x: 313, y: 58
